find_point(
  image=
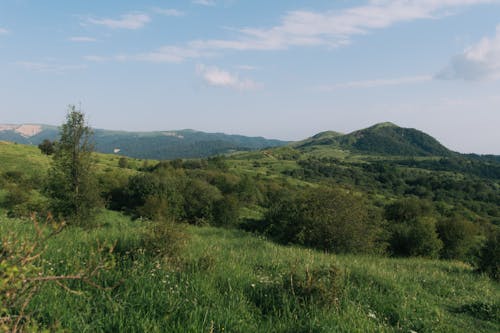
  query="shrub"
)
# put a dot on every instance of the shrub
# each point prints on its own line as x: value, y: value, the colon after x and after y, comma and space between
x: 47, y: 147
x: 226, y: 211
x: 415, y: 237
x: 413, y: 228
x: 199, y: 201
x: 164, y: 238
x: 326, y: 218
x: 489, y: 258
x: 458, y: 236
x: 123, y: 162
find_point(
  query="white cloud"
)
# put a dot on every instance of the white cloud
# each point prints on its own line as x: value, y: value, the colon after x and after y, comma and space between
x: 127, y: 21
x: 307, y: 28
x: 169, y: 12
x: 168, y: 54
x: 4, y: 31
x: 204, y: 2
x: 47, y: 67
x: 221, y: 78
x: 82, y: 39
x: 377, y: 83
x: 335, y: 28
x: 478, y: 62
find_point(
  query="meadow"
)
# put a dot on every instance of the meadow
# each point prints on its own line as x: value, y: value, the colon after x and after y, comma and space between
x: 233, y: 281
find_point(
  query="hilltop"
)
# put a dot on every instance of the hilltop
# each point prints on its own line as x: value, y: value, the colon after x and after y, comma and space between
x: 384, y: 138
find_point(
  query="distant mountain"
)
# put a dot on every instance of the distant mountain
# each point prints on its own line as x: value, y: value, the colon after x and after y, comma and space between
x: 152, y: 145
x: 382, y: 139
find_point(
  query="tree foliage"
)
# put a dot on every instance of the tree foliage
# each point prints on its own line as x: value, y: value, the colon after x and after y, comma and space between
x: 326, y: 218
x: 47, y: 147
x: 72, y: 184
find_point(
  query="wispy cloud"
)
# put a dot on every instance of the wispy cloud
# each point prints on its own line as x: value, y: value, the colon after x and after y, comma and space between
x: 48, y: 67
x: 307, y: 28
x: 377, y: 83
x: 169, y: 12
x: 204, y: 2
x: 131, y: 21
x: 336, y: 28
x: 168, y: 54
x: 220, y: 78
x: 4, y: 31
x: 478, y: 62
x: 82, y: 39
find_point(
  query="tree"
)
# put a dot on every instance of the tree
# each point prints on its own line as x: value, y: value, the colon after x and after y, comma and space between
x: 72, y: 184
x: 330, y: 219
x: 412, y: 225
x: 46, y: 147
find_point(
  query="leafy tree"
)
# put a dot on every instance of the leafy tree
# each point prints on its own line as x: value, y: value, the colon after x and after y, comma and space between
x: 489, y: 258
x: 458, y: 236
x: 47, y: 147
x: 72, y: 184
x: 413, y: 228
x: 326, y: 218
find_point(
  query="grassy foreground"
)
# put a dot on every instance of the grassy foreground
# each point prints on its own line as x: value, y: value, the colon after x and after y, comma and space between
x: 231, y: 281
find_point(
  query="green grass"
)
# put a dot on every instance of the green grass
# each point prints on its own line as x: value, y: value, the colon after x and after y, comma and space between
x: 232, y: 281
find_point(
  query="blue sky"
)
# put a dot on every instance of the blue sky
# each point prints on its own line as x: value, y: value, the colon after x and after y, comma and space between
x: 279, y: 69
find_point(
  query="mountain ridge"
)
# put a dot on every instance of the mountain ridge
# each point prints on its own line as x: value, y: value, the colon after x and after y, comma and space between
x: 169, y: 144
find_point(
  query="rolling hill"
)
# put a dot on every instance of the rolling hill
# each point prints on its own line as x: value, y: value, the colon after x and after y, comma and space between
x: 154, y: 145
x: 384, y: 139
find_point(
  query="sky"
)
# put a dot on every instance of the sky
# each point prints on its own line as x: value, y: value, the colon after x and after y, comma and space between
x: 278, y: 69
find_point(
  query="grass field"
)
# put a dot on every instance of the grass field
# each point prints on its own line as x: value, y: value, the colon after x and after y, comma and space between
x: 232, y: 281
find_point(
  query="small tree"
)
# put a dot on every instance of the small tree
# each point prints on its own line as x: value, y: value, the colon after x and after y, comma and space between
x: 46, y: 147
x: 72, y: 184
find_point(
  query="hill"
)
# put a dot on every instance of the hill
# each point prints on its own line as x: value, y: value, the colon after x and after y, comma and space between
x: 162, y: 145
x: 383, y: 139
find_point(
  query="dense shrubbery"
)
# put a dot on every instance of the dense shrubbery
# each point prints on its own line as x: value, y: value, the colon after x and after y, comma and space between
x: 326, y: 218
x: 413, y: 229
x: 489, y: 258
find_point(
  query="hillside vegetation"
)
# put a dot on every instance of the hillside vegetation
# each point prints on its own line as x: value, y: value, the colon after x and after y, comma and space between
x: 230, y: 281
x: 314, y: 237
x: 154, y: 145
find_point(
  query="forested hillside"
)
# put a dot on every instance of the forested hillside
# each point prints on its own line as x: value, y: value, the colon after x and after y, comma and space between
x: 154, y: 145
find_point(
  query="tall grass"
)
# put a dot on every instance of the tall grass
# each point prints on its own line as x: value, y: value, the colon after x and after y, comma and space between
x: 231, y: 281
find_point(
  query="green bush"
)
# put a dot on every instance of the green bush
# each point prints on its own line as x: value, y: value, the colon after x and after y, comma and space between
x: 412, y: 227
x: 415, y: 237
x: 458, y: 236
x: 489, y: 258
x: 164, y: 238
x: 326, y: 218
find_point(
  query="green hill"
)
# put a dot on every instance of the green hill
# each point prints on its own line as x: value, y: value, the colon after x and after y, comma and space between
x: 161, y: 145
x: 382, y: 139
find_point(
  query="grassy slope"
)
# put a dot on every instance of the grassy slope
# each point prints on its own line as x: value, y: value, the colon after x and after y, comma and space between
x: 229, y: 281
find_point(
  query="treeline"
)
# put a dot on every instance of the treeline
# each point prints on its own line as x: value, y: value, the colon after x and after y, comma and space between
x: 440, y: 181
